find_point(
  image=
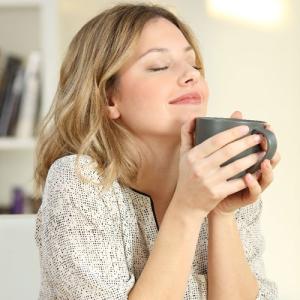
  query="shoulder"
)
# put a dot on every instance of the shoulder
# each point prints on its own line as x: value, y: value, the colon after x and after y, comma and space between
x: 68, y: 167
x: 73, y: 182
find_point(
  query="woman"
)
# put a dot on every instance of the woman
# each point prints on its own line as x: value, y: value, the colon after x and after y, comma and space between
x: 131, y: 209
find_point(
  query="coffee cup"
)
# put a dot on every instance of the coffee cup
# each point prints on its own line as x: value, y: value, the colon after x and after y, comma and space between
x: 207, y: 127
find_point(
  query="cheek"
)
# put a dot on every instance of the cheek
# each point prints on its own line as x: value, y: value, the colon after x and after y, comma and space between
x: 206, y: 93
x: 145, y: 94
x: 143, y: 106
x: 205, y: 88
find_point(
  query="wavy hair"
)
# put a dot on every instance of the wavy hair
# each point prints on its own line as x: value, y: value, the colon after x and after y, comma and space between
x: 78, y: 121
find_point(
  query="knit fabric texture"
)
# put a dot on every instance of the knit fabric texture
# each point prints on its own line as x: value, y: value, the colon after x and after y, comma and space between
x: 94, y: 243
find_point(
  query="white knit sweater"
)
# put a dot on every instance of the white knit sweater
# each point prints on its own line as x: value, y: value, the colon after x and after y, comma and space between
x: 93, y: 244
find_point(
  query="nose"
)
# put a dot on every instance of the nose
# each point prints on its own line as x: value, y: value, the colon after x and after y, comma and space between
x: 189, y: 77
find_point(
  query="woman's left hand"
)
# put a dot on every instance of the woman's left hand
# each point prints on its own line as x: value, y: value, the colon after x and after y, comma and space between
x: 255, y: 183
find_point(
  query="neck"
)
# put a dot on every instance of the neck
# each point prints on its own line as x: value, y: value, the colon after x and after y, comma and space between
x: 158, y: 173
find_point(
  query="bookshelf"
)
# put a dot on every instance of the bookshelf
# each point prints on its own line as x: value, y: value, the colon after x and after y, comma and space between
x: 27, y: 26
x: 11, y: 144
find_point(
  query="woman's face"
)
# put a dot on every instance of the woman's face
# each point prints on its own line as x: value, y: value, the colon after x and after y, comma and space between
x: 160, y: 70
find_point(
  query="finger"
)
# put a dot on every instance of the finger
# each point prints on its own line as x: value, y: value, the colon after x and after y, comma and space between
x: 264, y: 143
x: 269, y: 127
x: 237, y: 115
x: 257, y: 175
x: 267, y: 174
x: 233, y: 186
x: 218, y: 141
x: 238, y: 166
x: 233, y: 149
x: 187, y: 131
x: 275, y: 160
x: 254, y: 189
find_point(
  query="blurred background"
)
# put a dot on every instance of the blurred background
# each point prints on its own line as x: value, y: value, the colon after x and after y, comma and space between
x: 251, y: 53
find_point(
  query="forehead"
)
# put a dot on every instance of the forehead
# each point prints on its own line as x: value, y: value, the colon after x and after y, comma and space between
x: 160, y: 33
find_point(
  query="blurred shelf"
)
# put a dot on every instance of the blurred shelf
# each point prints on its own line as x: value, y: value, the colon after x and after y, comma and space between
x: 27, y: 25
x: 11, y: 143
x: 20, y: 3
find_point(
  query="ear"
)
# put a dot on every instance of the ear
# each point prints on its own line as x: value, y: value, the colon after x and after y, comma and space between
x: 113, y: 112
x: 112, y: 107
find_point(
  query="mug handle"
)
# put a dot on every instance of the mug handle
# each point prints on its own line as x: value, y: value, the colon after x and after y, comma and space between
x: 271, y: 147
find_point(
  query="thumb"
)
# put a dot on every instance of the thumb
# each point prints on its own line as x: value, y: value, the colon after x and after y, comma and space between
x: 187, y: 135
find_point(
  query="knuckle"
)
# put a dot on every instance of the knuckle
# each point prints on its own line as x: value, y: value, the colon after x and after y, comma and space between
x: 198, y: 174
x: 252, y: 200
x: 216, y: 142
x: 236, y: 132
x: 252, y: 139
x: 228, y: 151
x: 190, y: 158
x: 214, y: 195
x: 240, y: 184
x: 257, y: 190
x: 237, y: 166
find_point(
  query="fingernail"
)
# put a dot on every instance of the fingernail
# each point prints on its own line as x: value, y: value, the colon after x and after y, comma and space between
x: 250, y: 177
x: 261, y: 154
x: 244, y: 129
x: 257, y: 137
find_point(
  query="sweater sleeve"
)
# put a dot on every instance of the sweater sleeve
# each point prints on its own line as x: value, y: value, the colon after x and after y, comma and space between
x: 78, y: 233
x: 197, y: 287
x: 248, y: 220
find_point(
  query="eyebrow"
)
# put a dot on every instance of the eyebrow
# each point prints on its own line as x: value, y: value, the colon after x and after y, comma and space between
x: 163, y: 50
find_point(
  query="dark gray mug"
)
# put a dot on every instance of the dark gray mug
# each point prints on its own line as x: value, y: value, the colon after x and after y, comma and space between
x: 206, y: 127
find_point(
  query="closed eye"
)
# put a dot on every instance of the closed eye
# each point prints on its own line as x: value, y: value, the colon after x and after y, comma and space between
x: 197, y: 68
x: 158, y: 69
x: 165, y: 68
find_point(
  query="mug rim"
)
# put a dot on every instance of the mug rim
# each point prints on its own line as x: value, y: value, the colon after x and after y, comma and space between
x: 231, y: 119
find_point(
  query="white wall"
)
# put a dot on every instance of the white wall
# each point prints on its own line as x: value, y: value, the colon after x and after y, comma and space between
x: 19, y: 259
x: 255, y: 70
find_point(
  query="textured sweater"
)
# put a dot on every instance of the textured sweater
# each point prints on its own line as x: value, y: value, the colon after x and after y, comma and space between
x: 94, y: 243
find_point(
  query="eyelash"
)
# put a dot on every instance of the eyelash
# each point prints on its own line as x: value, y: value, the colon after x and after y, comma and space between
x: 164, y: 68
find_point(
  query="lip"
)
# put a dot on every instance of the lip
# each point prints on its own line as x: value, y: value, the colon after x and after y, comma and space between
x: 189, y: 98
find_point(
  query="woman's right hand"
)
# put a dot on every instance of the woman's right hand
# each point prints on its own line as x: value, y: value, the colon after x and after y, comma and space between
x: 202, y: 183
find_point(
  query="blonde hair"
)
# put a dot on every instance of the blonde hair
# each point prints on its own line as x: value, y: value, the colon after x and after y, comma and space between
x: 77, y: 122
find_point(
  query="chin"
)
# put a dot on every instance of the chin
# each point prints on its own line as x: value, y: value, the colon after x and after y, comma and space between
x: 193, y: 115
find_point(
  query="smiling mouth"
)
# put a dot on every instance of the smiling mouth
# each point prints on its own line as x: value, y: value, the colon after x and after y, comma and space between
x: 188, y: 101
x: 189, y: 98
